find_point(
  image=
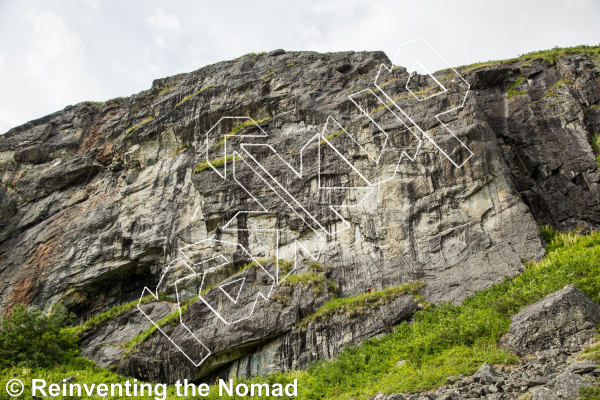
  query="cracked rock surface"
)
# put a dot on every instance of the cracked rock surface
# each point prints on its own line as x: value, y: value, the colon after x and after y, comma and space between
x: 98, y: 199
x: 566, y: 319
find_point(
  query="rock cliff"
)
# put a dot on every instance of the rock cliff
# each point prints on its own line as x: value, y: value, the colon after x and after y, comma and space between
x: 99, y: 199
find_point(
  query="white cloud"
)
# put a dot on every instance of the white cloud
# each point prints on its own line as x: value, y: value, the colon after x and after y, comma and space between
x: 56, y: 60
x: 164, y: 22
x: 163, y: 25
x: 51, y: 69
x: 67, y: 52
x: 309, y: 33
x: 95, y: 4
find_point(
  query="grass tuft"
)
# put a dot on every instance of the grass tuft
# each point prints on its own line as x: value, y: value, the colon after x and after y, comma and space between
x: 596, y: 147
x: 308, y: 278
x: 217, y: 162
x: 172, y: 319
x: 513, y: 93
x: 181, y: 148
x: 333, y: 135
x: 113, y: 313
x: 190, y: 96
x: 549, y: 56
x: 145, y: 121
x: 515, y: 83
x: 356, y: 305
x: 240, y: 127
x: 510, y: 89
x: 315, y: 266
x: 165, y: 90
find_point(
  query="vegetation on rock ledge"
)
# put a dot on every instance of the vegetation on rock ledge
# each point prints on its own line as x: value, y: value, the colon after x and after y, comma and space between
x: 443, y: 340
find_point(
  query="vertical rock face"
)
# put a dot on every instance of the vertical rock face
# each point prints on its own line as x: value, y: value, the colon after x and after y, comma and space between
x: 97, y: 199
x: 544, y: 135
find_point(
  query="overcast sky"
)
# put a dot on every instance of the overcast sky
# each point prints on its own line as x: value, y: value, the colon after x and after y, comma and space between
x: 56, y: 53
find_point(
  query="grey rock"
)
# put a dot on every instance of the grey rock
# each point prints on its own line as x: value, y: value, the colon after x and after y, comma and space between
x: 276, y: 53
x: 567, y: 385
x: 97, y: 199
x: 582, y: 367
x: 544, y: 394
x: 563, y: 318
x: 524, y: 381
x: 101, y: 345
x: 548, y: 369
x: 299, y: 347
x: 486, y: 374
x: 113, y: 239
x: 536, y: 381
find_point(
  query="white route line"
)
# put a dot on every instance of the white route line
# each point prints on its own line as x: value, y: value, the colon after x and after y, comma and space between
x: 155, y: 295
x: 239, y: 290
x: 390, y: 70
x: 291, y: 202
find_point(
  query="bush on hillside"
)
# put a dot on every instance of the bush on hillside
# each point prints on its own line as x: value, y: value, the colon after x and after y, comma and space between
x: 36, y: 338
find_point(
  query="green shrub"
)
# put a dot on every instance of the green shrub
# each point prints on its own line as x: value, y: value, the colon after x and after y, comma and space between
x: 589, y: 393
x: 36, y: 338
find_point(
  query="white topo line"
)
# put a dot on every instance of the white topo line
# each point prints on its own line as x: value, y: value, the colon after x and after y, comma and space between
x: 273, y: 186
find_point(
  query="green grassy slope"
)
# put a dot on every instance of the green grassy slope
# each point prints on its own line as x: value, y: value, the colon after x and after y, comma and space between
x: 444, y: 340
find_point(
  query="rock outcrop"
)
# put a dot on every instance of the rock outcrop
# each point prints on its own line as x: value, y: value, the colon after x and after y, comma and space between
x: 563, y: 319
x: 550, y: 334
x: 550, y: 375
x: 275, y: 339
x: 102, y: 345
x: 98, y: 199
